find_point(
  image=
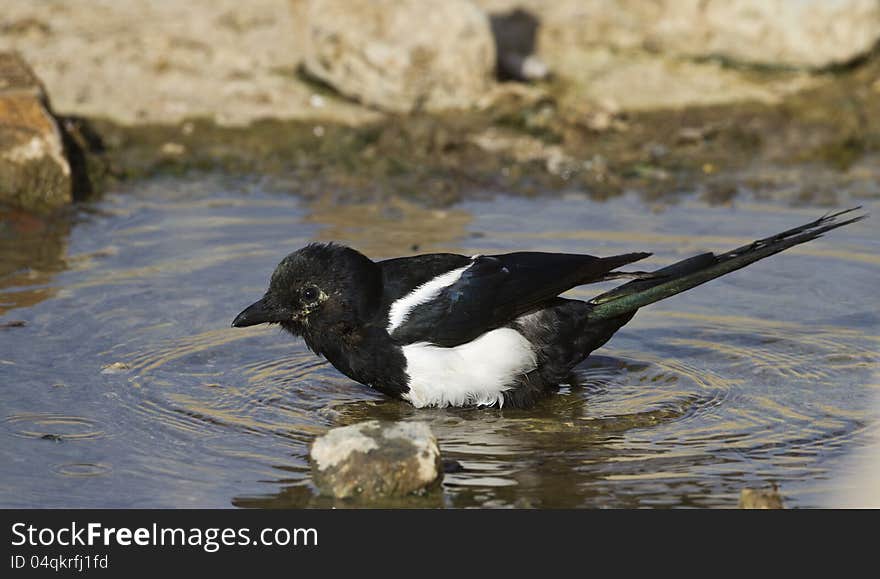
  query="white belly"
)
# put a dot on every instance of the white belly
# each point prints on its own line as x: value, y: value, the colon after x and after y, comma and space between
x: 476, y: 373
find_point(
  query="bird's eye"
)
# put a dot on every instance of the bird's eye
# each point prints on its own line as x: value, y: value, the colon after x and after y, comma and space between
x: 310, y: 294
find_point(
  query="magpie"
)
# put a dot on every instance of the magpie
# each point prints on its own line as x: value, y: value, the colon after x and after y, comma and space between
x: 443, y: 329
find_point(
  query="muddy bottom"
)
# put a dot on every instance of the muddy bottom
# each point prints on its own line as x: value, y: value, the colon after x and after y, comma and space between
x: 124, y: 386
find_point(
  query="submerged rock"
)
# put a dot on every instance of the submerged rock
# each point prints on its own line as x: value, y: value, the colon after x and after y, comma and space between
x: 761, y: 499
x: 376, y: 459
x: 401, y: 55
x: 34, y: 172
x: 115, y: 368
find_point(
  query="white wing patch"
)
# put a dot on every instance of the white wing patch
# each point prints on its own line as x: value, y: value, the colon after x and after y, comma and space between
x: 424, y: 293
x: 476, y: 373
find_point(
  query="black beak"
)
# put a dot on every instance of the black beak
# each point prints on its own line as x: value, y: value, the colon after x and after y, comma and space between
x: 256, y: 313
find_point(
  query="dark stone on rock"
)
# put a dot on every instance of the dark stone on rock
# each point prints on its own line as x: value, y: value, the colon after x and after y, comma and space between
x: 85, y: 153
x: 452, y: 466
x: 373, y: 459
x: 515, y: 35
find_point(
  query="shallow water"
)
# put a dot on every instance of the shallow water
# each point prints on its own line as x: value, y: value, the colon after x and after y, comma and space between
x: 126, y: 387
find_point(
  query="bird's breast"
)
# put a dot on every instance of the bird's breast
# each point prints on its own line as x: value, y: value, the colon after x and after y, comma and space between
x: 475, y: 373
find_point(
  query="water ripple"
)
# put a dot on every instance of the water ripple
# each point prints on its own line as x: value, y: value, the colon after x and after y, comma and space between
x: 762, y: 375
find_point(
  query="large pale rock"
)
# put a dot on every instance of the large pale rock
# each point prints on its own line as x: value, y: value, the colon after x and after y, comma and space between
x: 34, y: 172
x: 635, y: 81
x: 636, y: 55
x: 375, y: 459
x: 796, y: 33
x: 166, y: 61
x: 800, y: 33
x: 402, y: 55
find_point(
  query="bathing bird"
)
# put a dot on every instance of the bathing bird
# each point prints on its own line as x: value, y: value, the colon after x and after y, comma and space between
x: 443, y: 329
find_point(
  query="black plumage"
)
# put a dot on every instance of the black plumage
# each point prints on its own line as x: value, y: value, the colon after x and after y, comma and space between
x: 443, y: 329
x: 496, y: 289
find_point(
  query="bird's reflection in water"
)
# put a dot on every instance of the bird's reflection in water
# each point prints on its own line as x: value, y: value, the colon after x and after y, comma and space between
x: 569, y: 451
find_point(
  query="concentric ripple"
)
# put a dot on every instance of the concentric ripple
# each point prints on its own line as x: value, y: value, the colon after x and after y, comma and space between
x: 57, y: 427
x: 82, y: 469
x: 263, y: 397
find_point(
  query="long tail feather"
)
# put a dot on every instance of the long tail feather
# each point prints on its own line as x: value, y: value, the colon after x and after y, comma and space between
x: 686, y: 274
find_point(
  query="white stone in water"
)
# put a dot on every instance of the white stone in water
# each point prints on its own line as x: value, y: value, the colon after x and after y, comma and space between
x: 426, y: 451
x: 335, y: 446
x: 115, y: 368
x: 374, y: 459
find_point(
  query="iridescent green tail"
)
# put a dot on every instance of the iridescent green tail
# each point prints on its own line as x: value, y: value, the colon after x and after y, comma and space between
x: 691, y: 272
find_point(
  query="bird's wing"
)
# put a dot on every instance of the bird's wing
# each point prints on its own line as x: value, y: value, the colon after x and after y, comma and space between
x: 402, y: 275
x: 488, y: 292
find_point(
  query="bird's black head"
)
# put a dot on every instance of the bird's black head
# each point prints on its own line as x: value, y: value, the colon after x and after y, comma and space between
x: 320, y: 288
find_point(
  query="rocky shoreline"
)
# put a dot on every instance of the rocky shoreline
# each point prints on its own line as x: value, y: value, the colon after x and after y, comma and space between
x: 529, y: 143
x: 654, y: 102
